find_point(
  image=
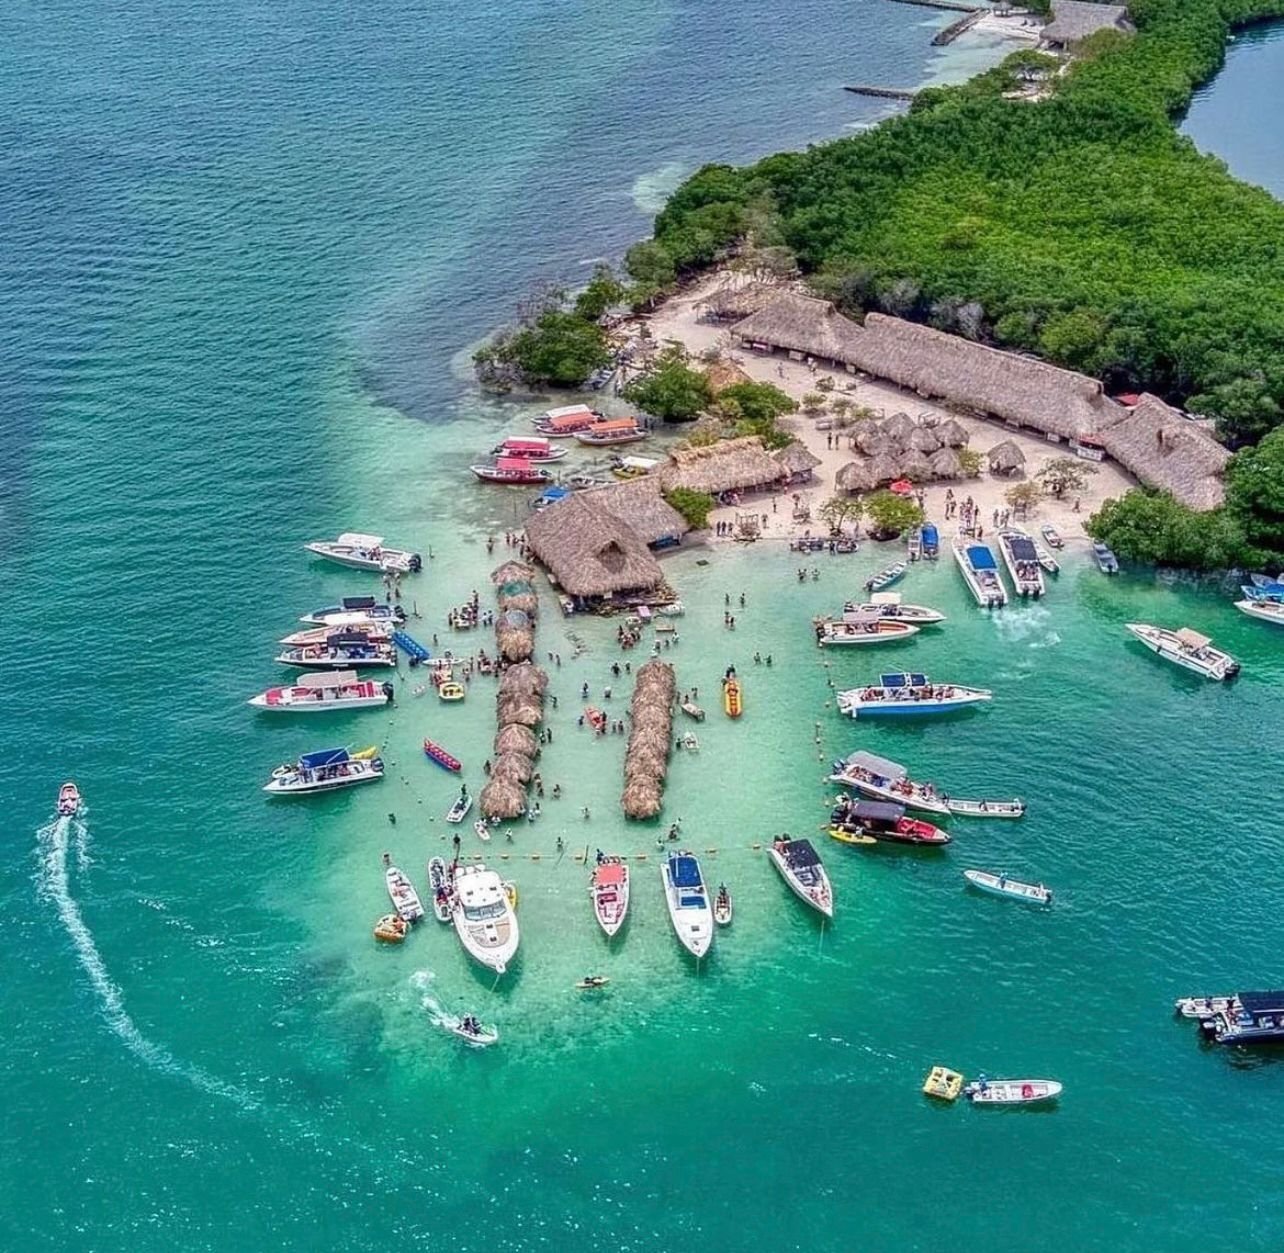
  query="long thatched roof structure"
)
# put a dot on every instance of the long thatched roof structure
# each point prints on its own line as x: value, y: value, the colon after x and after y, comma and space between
x: 646, y: 761
x: 729, y: 465
x: 801, y: 324
x: 739, y: 300
x: 640, y: 506
x: 589, y: 551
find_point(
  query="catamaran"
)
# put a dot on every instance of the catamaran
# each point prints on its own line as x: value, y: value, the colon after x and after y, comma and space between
x: 1022, y: 560
x: 890, y: 605
x: 366, y: 606
x: 483, y: 917
x: 325, y: 771
x: 366, y: 552
x: 405, y: 900
x: 801, y: 868
x: 909, y: 695
x: 861, y: 626
x: 323, y: 693
x: 980, y: 572
x: 1186, y: 648
x: 536, y: 451
x: 609, y: 889
x: 342, y: 650
x: 687, y: 898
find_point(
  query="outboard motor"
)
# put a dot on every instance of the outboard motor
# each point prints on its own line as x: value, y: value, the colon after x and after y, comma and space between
x: 416, y: 563
x: 387, y: 690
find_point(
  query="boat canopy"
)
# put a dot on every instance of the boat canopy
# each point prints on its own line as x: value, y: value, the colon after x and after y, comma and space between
x: 1022, y: 548
x: 355, y: 539
x: 877, y: 811
x: 885, y: 598
x: 980, y: 557
x: 1262, y: 1002
x: 512, y: 463
x: 861, y: 614
x: 930, y: 535
x: 568, y: 411
x: 902, y: 680
x: 799, y: 853
x: 613, y: 424
x: 685, y: 872
x: 609, y: 876
x: 336, y: 678
x: 356, y: 604
x: 1192, y: 639
x: 347, y: 639
x: 639, y: 463
x: 522, y: 443
x: 323, y: 757
x: 876, y: 765
x: 554, y: 494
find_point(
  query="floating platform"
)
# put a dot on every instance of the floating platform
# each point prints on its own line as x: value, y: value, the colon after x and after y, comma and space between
x: 410, y: 646
x: 943, y: 1083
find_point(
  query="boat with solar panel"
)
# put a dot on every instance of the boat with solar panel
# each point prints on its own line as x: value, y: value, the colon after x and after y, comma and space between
x: 980, y: 572
x: 909, y: 694
x: 687, y: 899
x: 326, y: 770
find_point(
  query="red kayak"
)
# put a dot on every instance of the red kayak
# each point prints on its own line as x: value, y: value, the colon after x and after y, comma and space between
x: 436, y: 753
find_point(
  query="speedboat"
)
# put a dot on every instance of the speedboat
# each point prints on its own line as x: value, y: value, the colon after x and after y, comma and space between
x: 366, y: 552
x: 536, y: 451
x: 1202, y: 1007
x: 885, y: 578
x: 591, y: 983
x: 722, y: 911
x: 473, y: 1032
x: 439, y: 882
x: 322, y: 693
x: 609, y: 889
x: 1001, y: 885
x: 1052, y: 536
x: 882, y: 820
x: 862, y: 626
x: 405, y: 900
x: 980, y: 572
x: 342, y: 650
x: 1107, y: 562
x: 68, y: 800
x: 909, y: 695
x: 459, y: 810
x: 325, y: 771
x: 931, y: 542
x: 612, y: 431
x: 1011, y: 1091
x: 888, y: 780
x: 1266, y: 610
x: 1022, y: 560
x: 890, y: 605
x: 366, y: 606
x: 800, y: 866
x: 1249, y: 1018
x: 509, y: 470
x: 914, y: 543
x: 1186, y: 648
x: 484, y: 919
x: 687, y: 898
x: 380, y: 630
x: 563, y: 422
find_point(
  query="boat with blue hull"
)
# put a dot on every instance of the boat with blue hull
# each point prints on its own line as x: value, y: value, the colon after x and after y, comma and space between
x: 909, y: 695
x: 980, y: 572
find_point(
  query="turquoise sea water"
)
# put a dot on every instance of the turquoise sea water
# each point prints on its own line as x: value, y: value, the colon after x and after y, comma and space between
x: 245, y: 247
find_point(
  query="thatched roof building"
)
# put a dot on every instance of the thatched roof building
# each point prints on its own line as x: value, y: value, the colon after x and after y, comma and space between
x: 915, y: 466
x: 872, y: 440
x: 946, y: 464
x: 884, y: 469
x: 723, y: 374
x: 899, y: 427
x: 738, y: 301
x: 639, y: 505
x: 589, y: 551
x: 502, y: 798
x: 1165, y: 450
x: 803, y: 325
x: 516, y: 738
x: 923, y: 439
x: 796, y: 462
x: 856, y: 476
x: 730, y: 465
x: 1005, y: 458
x: 1073, y: 20
x: 511, y: 572
x: 953, y: 434
x: 646, y: 761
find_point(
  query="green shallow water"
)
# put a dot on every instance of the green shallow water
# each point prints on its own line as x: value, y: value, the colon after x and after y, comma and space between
x: 230, y: 330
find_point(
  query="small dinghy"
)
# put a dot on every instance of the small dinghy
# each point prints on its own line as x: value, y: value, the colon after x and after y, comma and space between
x: 692, y: 710
x: 609, y: 889
x: 1011, y: 1091
x: 391, y: 929
x: 1001, y: 885
x: 439, y: 882
x: 595, y: 718
x: 68, y: 800
x: 722, y: 912
x: 591, y: 982
x: 689, y: 742
x: 474, y: 1033
x: 450, y: 691
x: 885, y: 578
x: 1052, y: 536
x: 405, y: 900
x: 483, y: 831
x: 459, y: 810
x: 435, y: 752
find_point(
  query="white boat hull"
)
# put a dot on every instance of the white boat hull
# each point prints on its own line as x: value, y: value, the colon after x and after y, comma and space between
x: 1012, y: 889
x: 392, y: 560
x: 1264, y: 610
x: 1212, y: 664
x: 611, y: 913
x: 290, y: 785
x: 1013, y: 1091
x: 819, y: 898
x: 405, y: 900
x: 315, y: 706
x: 693, y: 926
x: 835, y: 636
x: 988, y: 592
x: 491, y: 941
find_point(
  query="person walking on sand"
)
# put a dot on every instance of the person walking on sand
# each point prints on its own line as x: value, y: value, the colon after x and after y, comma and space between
x: 1076, y: 504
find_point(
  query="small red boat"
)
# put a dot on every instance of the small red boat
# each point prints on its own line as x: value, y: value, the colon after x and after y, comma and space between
x: 512, y: 470
x: 595, y: 718
x: 435, y: 752
x: 68, y: 800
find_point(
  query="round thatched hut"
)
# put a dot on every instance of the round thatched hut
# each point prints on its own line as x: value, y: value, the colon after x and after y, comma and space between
x: 516, y: 738
x: 900, y: 426
x: 856, y: 476
x: 1006, y: 458
x: 915, y: 466
x: 502, y: 798
x: 870, y: 440
x: 946, y: 464
x: 952, y: 433
x: 923, y: 439
x: 511, y: 572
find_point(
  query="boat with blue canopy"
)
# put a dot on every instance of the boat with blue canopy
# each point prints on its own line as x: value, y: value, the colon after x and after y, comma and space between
x: 1022, y: 560
x: 930, y: 542
x: 909, y: 694
x: 980, y: 572
x: 325, y: 770
x: 687, y: 898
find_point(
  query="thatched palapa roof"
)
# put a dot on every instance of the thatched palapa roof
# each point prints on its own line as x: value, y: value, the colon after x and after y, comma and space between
x: 523, y: 680
x: 872, y: 440
x: 953, y: 434
x: 1006, y: 457
x: 739, y: 300
x: 502, y: 798
x: 915, y: 466
x: 795, y: 459
x: 516, y: 738
x: 899, y: 427
x: 856, y: 476
x: 1073, y: 20
x: 511, y: 572
x: 923, y: 439
x: 723, y: 374
x: 946, y: 464
x: 884, y: 469
x: 589, y: 551
x: 800, y: 324
x: 646, y: 762
x: 730, y: 465
x: 639, y: 505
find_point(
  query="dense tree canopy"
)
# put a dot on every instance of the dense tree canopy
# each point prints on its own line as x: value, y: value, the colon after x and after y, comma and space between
x: 671, y: 389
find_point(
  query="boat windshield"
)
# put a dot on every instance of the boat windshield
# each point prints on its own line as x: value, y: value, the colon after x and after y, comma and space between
x: 484, y: 913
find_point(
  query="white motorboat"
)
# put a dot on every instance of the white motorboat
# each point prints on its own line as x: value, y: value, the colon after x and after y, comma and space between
x: 483, y: 917
x: 459, y: 810
x: 68, y: 800
x: 1012, y: 1091
x: 378, y: 629
x: 473, y: 1032
x: 1001, y: 885
x: 609, y: 889
x: 405, y: 900
x: 325, y: 771
x: 439, y: 883
x: 1022, y: 560
x: 861, y: 626
x: 1052, y: 536
x: 890, y: 605
x: 1105, y: 558
x: 482, y: 828
x: 1204, y: 1007
x: 366, y: 552
x: 687, y: 898
x: 1265, y: 610
x: 342, y: 650
x: 365, y: 606
x: 801, y: 868
x: 1049, y: 563
x: 324, y: 693
x: 909, y: 695
x: 1186, y: 648
x: 980, y: 572
x: 886, y: 780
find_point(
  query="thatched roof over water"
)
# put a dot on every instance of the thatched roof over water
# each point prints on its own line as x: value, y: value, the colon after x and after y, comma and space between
x: 801, y: 324
x: 523, y: 679
x: 511, y: 572
x: 730, y: 465
x: 795, y: 458
x: 514, y: 766
x: 646, y: 761
x: 516, y: 738
x: 1165, y: 450
x: 1006, y: 457
x: 502, y: 798
x: 639, y: 505
x: 1073, y: 20
x: 589, y: 551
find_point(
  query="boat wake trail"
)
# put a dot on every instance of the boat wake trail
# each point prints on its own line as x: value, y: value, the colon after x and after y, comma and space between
x: 54, y: 885
x: 438, y: 1015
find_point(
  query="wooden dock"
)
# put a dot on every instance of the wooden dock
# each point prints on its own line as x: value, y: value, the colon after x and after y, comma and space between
x: 883, y: 93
